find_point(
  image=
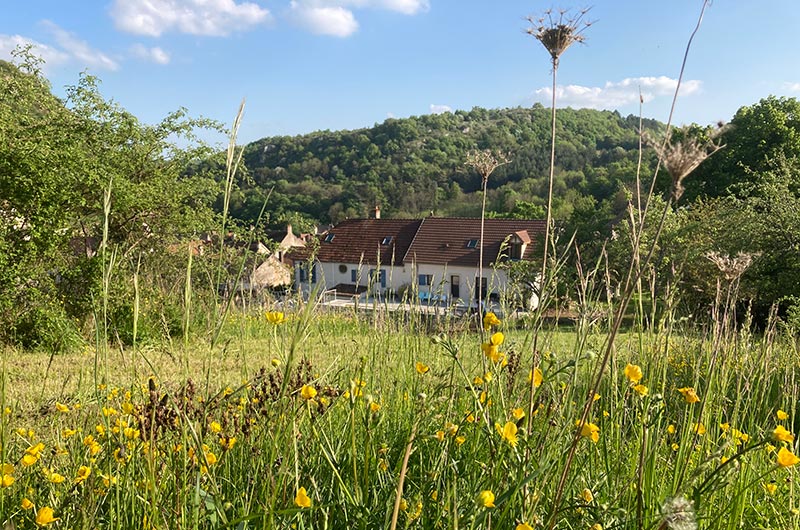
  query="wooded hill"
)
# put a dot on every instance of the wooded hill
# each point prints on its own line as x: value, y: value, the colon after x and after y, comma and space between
x: 415, y: 165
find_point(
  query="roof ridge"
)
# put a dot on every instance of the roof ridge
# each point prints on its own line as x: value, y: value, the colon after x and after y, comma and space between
x: 411, y: 244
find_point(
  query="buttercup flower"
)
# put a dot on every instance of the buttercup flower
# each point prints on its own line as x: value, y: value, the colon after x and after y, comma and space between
x: 6, y: 480
x: 26, y: 503
x: 486, y: 499
x: 302, y: 499
x: 786, y: 458
x: 587, y: 496
x: 308, y: 392
x: 589, y: 430
x: 518, y: 413
x: 45, y: 516
x: 782, y: 435
x: 536, y: 376
x: 508, y: 432
x: 689, y: 394
x: 633, y: 373
x: 422, y: 368
x: 490, y: 320
x: 83, y: 474
x: 641, y: 390
x: 781, y: 415
x: 524, y: 526
x: 275, y: 317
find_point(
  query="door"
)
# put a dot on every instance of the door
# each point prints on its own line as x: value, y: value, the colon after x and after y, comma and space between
x: 455, y: 286
x: 482, y: 284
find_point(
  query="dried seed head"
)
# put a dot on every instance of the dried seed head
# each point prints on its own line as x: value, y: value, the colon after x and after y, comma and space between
x: 486, y: 161
x: 557, y: 32
x: 732, y: 267
x: 677, y: 513
x: 683, y: 156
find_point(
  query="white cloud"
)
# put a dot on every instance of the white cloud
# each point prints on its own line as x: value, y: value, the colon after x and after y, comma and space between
x: 618, y: 94
x: 792, y: 87
x: 439, y: 109
x: 336, y: 17
x: 67, y: 48
x: 334, y: 21
x: 154, y: 55
x: 79, y: 49
x: 52, y: 57
x: 196, y: 17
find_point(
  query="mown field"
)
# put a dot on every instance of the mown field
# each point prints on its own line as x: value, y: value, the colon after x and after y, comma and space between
x: 314, y: 420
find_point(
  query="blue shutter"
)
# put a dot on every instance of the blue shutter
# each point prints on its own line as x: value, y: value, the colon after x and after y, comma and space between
x: 353, y: 275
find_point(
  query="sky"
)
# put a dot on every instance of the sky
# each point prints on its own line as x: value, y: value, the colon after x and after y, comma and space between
x: 307, y: 65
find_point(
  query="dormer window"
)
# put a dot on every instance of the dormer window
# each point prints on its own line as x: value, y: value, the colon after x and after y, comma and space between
x: 329, y: 238
x: 472, y: 243
x: 387, y: 240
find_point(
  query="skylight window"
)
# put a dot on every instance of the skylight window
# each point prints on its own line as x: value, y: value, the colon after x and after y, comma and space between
x: 472, y: 243
x: 329, y: 238
x: 387, y: 240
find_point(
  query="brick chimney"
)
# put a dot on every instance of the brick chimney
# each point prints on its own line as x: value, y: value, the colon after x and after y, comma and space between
x: 377, y: 212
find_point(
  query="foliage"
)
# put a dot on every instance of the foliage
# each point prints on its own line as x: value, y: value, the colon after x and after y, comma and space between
x: 57, y: 159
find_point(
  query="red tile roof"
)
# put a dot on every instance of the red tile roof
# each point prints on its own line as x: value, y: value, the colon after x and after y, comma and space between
x: 360, y: 241
x: 444, y: 241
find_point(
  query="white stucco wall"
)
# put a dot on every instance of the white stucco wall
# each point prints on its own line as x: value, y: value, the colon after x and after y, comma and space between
x: 399, y: 278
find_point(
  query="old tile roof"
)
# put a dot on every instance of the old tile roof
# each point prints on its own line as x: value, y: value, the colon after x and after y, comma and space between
x: 369, y: 241
x: 446, y: 240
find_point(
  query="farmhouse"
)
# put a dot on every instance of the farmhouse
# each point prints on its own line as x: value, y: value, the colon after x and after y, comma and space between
x: 435, y: 258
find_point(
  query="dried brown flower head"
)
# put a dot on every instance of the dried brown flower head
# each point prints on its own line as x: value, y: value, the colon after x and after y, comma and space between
x: 732, y: 267
x: 557, y: 31
x: 681, y: 157
x: 486, y: 161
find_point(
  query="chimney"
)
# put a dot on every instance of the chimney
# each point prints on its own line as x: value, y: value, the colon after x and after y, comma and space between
x: 377, y: 212
x: 289, y: 230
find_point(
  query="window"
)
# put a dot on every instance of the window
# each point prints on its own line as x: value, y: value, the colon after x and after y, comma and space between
x: 425, y: 279
x: 329, y: 238
x: 387, y: 240
x: 472, y: 243
x: 314, y: 273
x: 354, y: 275
x: 303, y: 272
x: 515, y: 252
x: 482, y: 284
x: 380, y: 277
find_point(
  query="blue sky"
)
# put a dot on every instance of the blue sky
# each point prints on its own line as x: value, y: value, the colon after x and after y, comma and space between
x: 305, y: 65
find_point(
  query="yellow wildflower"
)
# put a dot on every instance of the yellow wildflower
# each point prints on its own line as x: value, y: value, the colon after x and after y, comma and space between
x: 374, y: 406
x: 460, y: 440
x: 523, y: 526
x: 45, y: 516
x: 786, y: 458
x: 492, y: 352
x: 56, y: 478
x: 275, y: 317
x: 689, y: 394
x: 536, y: 376
x: 589, y: 430
x: 83, y: 474
x: 725, y: 426
x: 771, y: 487
x: 215, y: 427
x: 633, y: 373
x: 641, y: 390
x: 7, y: 480
x: 421, y: 367
x: 308, y: 392
x: 302, y: 499
x: 275, y: 362
x: 587, y: 496
x: 518, y: 413
x: 439, y: 435
x: 490, y: 320
x: 486, y: 499
x: 497, y: 339
x: 671, y: 429
x: 26, y: 503
x: 699, y: 428
x: 782, y: 435
x: 781, y: 415
x: 508, y: 432
x: 60, y: 407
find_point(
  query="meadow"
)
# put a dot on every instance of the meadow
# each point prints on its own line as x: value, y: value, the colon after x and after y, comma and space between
x: 314, y: 419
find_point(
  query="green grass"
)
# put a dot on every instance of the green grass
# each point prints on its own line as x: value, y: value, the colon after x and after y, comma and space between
x: 160, y: 455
